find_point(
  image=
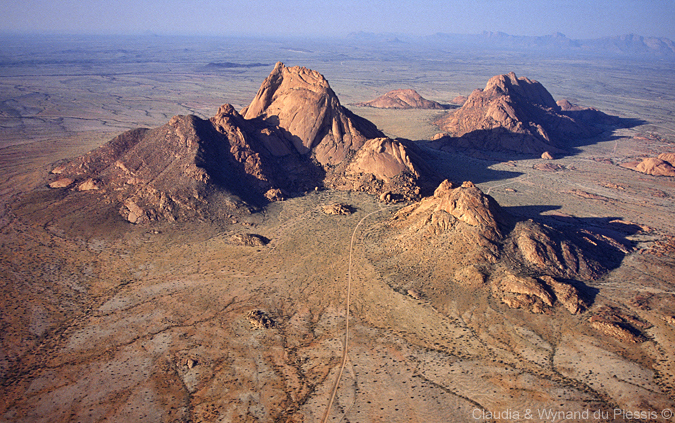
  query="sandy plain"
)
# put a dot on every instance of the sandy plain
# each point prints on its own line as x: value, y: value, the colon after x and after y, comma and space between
x: 107, y: 321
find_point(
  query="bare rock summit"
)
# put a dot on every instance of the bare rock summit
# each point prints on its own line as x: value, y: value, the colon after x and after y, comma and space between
x: 402, y: 99
x: 293, y: 137
x: 461, y: 237
x: 515, y: 114
x: 301, y: 103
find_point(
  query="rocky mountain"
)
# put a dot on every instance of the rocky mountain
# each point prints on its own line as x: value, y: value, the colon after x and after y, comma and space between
x: 293, y: 137
x: 401, y: 99
x: 632, y: 44
x: 468, y: 241
x: 517, y: 115
x: 301, y: 103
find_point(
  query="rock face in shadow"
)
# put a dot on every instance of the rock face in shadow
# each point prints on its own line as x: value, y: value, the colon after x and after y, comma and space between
x: 517, y: 115
x: 301, y: 103
x: 402, y: 99
x: 158, y: 174
x: 461, y: 237
x: 293, y: 137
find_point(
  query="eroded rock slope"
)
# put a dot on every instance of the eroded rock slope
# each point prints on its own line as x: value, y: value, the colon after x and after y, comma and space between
x: 519, y: 115
x: 293, y: 137
x: 460, y: 237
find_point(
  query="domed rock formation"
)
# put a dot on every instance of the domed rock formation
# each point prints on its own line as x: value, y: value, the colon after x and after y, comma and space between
x: 515, y: 115
x: 461, y: 237
x: 653, y: 166
x: 384, y: 165
x: 459, y: 100
x: 293, y: 137
x: 402, y: 99
x: 301, y: 103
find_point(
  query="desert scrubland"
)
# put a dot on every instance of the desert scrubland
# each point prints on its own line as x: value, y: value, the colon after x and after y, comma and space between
x: 544, y: 290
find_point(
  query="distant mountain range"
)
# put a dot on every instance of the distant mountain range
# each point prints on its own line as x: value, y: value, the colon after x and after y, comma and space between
x: 626, y: 45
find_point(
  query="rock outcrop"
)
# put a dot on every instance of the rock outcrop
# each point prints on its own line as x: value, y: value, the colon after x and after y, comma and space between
x: 619, y: 324
x: 338, y: 209
x: 158, y: 174
x: 249, y: 240
x: 302, y: 105
x: 384, y: 165
x: 293, y: 137
x: 460, y: 236
x: 667, y: 157
x: 514, y: 114
x: 402, y: 99
x: 663, y: 165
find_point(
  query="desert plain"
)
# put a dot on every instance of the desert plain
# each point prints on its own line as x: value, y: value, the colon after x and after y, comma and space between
x: 197, y: 320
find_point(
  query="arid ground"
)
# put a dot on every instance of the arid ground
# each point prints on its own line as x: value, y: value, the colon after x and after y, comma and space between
x: 103, y: 320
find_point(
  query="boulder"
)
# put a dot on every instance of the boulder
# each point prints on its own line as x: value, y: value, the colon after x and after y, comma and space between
x: 62, y: 183
x: 338, y: 209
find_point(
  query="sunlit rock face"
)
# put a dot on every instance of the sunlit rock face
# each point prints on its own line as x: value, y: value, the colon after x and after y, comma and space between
x: 465, y: 239
x: 516, y: 115
x: 402, y: 99
x: 300, y: 102
x: 293, y: 137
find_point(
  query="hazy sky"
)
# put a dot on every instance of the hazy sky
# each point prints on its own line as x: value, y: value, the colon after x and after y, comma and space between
x: 574, y: 18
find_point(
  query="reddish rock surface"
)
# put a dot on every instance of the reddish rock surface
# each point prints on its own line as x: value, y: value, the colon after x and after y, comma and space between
x: 652, y: 166
x: 465, y: 237
x: 514, y: 114
x: 300, y: 102
x: 387, y: 167
x: 402, y: 99
x: 293, y: 137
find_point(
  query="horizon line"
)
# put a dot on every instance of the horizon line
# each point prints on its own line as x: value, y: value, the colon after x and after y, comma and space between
x: 333, y: 36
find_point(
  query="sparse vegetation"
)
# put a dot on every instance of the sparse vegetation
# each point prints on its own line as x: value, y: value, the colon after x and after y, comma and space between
x: 239, y: 316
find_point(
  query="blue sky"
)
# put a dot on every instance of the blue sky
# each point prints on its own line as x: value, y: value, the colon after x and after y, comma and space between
x: 574, y: 18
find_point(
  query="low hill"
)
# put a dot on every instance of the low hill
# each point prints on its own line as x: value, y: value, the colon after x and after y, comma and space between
x: 402, y: 99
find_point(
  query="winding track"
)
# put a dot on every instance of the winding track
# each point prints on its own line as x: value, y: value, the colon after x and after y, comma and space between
x: 346, y: 342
